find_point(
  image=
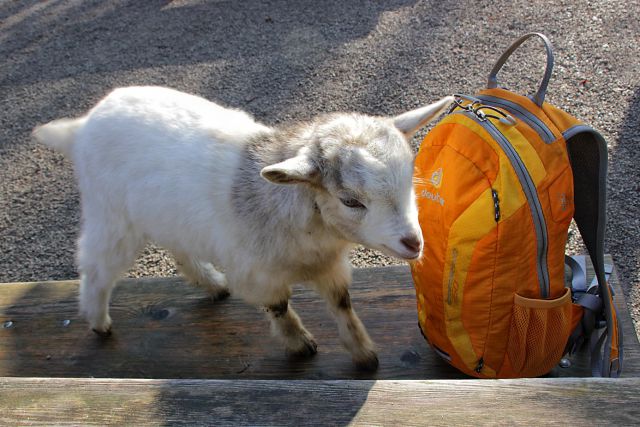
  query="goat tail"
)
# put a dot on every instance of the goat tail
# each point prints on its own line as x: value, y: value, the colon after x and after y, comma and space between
x: 59, y: 134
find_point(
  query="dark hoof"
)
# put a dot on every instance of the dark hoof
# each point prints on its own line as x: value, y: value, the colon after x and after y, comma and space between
x: 370, y: 364
x: 102, y: 334
x: 222, y: 295
x: 309, y: 348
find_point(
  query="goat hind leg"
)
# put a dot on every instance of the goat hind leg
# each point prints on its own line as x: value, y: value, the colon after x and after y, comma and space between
x: 95, y: 293
x: 102, y: 257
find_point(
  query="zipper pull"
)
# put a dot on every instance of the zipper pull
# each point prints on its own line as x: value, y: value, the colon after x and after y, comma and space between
x: 503, y: 117
x: 480, y: 365
x: 508, y: 120
x: 496, y: 205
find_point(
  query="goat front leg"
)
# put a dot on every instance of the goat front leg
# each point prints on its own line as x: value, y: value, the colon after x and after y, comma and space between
x: 334, y: 289
x: 287, y: 326
x: 260, y: 290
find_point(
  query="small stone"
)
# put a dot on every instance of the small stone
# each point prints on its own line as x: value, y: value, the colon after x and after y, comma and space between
x: 410, y: 357
x: 565, y: 363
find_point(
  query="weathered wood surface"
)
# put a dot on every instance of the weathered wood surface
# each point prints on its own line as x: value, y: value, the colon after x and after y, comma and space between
x: 166, y: 329
x: 541, y: 401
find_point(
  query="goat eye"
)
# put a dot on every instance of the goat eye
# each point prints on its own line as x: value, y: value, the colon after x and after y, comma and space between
x: 352, y: 203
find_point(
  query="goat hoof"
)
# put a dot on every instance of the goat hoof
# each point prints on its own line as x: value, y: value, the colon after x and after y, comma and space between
x: 221, y: 295
x: 102, y: 334
x: 369, y: 363
x: 309, y: 348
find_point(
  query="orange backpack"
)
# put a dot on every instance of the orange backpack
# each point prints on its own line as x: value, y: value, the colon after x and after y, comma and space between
x: 497, y: 182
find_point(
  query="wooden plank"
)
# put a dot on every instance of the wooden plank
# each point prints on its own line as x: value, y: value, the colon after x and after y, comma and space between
x: 542, y: 401
x: 165, y: 329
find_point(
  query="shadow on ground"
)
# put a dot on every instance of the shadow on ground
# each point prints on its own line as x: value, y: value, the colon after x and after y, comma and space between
x: 623, y: 211
x: 62, y: 57
x: 252, y: 50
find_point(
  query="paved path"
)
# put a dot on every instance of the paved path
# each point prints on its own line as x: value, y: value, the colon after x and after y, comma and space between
x: 284, y: 60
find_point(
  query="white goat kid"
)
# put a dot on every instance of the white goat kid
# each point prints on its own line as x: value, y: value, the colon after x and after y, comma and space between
x: 269, y: 206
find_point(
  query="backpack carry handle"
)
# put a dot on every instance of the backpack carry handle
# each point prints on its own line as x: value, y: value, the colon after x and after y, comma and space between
x: 538, y: 98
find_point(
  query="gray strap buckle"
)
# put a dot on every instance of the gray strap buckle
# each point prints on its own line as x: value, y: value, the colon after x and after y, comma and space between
x: 578, y: 264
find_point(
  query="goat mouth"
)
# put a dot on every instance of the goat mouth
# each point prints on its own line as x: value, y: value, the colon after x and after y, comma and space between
x: 409, y: 256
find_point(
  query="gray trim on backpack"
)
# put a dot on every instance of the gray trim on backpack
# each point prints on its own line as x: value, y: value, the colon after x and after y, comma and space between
x: 578, y: 273
x: 574, y: 130
x: 588, y: 155
x: 538, y: 98
x: 523, y: 114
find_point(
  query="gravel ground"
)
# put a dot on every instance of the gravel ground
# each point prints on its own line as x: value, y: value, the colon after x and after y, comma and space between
x: 290, y: 60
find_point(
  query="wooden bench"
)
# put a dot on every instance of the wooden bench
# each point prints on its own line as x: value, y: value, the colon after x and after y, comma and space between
x: 177, y: 357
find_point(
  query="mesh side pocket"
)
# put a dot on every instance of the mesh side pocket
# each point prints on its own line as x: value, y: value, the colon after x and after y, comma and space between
x: 538, y: 334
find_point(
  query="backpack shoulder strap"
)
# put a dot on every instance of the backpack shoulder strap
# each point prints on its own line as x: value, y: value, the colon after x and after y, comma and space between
x: 588, y: 155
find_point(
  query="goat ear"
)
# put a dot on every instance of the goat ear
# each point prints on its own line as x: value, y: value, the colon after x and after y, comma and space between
x: 409, y: 122
x: 296, y: 170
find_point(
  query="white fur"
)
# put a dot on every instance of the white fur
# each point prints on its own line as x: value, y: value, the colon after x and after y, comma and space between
x: 157, y: 164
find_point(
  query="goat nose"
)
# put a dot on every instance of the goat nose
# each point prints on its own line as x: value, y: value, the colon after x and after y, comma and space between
x: 413, y: 243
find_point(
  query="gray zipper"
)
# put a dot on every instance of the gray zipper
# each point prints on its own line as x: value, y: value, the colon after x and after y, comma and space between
x: 523, y: 114
x: 531, y: 194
